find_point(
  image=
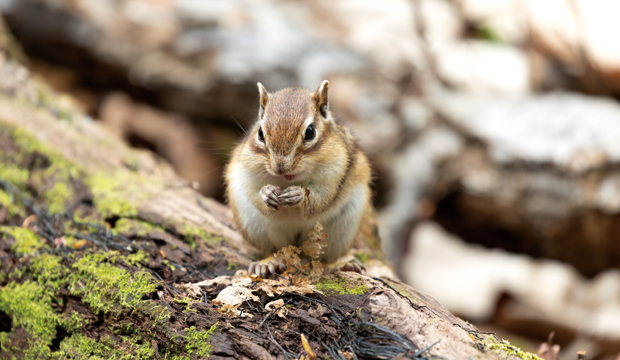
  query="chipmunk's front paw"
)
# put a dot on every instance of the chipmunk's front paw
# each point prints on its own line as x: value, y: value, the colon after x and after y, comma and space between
x: 269, y: 194
x: 291, y: 196
x: 267, y: 267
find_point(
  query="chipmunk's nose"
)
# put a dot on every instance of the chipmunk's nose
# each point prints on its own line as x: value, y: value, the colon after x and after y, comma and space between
x: 281, y: 164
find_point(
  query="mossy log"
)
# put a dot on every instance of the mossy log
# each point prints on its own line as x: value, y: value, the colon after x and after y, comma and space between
x: 98, y: 242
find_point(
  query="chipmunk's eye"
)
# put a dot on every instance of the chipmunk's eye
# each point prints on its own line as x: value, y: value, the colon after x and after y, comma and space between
x: 310, y: 133
x: 261, y: 137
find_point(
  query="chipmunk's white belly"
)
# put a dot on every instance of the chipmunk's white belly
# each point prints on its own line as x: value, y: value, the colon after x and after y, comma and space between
x: 288, y: 226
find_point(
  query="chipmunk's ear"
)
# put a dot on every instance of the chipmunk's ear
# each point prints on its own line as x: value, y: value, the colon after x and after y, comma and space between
x: 320, y: 97
x: 264, y: 98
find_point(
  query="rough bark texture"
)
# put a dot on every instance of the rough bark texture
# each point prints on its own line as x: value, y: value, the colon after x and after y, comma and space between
x: 97, y: 241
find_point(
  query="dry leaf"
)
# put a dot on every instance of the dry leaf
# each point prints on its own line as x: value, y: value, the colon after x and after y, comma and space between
x: 78, y: 244
x: 313, y: 247
x: 307, y: 347
x: 229, y: 310
x: 271, y: 287
x: 190, y: 288
x: 302, y: 274
x: 255, y: 277
x: 241, y: 277
x: 235, y: 295
x: 29, y: 220
x: 282, y: 311
x: 318, y: 312
x: 316, y: 272
x: 290, y: 256
x: 274, y: 304
x: 266, y: 287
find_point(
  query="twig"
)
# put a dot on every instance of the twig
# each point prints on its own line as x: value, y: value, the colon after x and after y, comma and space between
x: 420, y: 352
x: 285, y: 353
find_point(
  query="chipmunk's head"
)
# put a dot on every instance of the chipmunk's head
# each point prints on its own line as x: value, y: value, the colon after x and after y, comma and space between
x: 293, y: 124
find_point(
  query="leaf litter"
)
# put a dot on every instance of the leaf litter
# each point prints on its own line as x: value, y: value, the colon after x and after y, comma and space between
x: 342, y: 334
x: 297, y: 279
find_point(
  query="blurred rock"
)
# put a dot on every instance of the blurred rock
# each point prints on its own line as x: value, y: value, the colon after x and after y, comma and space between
x: 572, y: 132
x: 203, y: 59
x: 472, y: 65
x: 578, y: 34
x: 483, y: 67
x: 533, y: 175
x: 415, y: 174
x: 469, y: 280
x: 442, y: 23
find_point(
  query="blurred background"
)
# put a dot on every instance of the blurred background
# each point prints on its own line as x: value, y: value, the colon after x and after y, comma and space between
x: 493, y: 127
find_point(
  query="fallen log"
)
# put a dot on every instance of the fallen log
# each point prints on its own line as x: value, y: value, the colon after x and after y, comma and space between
x: 107, y: 253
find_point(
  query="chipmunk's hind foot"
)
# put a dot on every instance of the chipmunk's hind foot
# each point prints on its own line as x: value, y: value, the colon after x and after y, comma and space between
x: 267, y: 267
x: 353, y: 266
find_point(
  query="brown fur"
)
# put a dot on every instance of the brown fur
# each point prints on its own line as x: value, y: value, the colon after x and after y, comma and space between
x: 284, y: 115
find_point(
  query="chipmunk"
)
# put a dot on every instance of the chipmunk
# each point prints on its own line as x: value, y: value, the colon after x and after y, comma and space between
x: 296, y: 167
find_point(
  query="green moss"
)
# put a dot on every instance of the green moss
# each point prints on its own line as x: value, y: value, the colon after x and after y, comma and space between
x: 167, y: 263
x: 75, y: 323
x: 57, y: 197
x: 504, y: 348
x: 5, y: 198
x: 54, y: 103
x: 136, y: 258
x: 5, y: 342
x: 110, y: 194
x: 60, y: 171
x: 80, y: 217
x: 486, y: 32
x: 193, y: 233
x: 338, y: 285
x: 37, y: 350
x: 187, y: 301
x: 404, y: 292
x: 198, y: 341
x: 8, y: 201
x: 79, y: 346
x: 104, y: 286
x: 139, y: 350
x: 134, y: 227
x: 362, y: 257
x: 47, y: 270
x: 28, y: 143
x: 31, y: 309
x: 26, y: 242
x: 13, y: 174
